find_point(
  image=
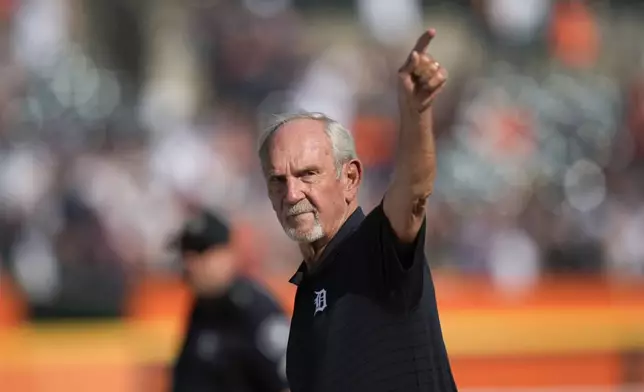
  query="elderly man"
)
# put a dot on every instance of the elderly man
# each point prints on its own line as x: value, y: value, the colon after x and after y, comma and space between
x: 365, y: 315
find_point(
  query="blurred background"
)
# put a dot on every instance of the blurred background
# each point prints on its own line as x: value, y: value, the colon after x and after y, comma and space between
x: 118, y: 118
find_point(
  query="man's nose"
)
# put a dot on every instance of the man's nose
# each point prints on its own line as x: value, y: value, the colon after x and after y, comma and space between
x: 294, y: 191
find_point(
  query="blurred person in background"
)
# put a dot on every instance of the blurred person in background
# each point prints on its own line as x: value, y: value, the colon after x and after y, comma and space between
x: 248, y: 51
x: 512, y: 30
x: 237, y: 333
x: 61, y: 256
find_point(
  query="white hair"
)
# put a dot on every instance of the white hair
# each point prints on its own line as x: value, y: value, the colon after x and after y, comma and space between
x: 342, y: 142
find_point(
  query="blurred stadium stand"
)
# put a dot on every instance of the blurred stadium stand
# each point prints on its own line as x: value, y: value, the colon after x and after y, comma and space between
x: 118, y: 117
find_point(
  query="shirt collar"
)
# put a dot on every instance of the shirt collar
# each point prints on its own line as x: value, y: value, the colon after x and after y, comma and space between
x: 347, y: 228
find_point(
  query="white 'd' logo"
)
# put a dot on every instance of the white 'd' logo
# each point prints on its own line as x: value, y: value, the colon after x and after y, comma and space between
x: 319, y: 301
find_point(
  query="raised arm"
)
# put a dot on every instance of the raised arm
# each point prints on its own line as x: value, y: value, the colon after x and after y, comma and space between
x: 420, y: 80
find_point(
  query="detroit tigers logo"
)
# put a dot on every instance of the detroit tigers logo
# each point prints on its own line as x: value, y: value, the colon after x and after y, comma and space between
x: 319, y: 301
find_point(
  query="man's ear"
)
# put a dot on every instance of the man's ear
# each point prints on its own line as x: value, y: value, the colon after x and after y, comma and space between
x: 352, y: 178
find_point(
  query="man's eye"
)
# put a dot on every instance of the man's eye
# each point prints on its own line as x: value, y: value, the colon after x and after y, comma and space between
x: 277, y: 186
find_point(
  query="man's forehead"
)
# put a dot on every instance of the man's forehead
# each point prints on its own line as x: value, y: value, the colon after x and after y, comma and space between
x: 304, y: 139
x: 304, y: 159
x: 300, y: 129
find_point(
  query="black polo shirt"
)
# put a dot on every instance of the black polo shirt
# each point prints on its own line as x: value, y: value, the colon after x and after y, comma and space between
x: 234, y: 343
x: 366, y: 318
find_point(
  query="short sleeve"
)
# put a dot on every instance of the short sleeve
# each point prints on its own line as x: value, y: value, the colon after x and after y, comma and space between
x: 395, y: 269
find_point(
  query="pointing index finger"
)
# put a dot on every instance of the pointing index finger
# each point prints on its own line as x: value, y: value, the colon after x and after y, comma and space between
x: 423, y: 41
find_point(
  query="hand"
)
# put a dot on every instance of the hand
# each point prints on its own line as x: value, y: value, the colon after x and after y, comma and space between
x: 421, y: 78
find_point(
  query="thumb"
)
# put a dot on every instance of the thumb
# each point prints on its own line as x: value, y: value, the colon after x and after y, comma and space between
x: 410, y: 64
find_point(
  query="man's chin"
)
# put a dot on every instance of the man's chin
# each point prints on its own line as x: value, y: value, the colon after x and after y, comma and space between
x: 297, y: 227
x: 303, y: 236
x: 297, y: 235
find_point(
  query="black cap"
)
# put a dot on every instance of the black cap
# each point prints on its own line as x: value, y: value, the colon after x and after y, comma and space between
x: 202, y: 233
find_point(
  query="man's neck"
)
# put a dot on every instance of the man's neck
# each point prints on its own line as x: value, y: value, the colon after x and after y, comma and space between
x: 312, y: 251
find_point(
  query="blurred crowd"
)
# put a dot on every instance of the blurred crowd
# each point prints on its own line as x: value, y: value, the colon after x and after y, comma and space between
x: 118, y: 119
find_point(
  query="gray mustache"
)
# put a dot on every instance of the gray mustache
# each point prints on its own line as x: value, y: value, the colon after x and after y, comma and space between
x: 300, y: 208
